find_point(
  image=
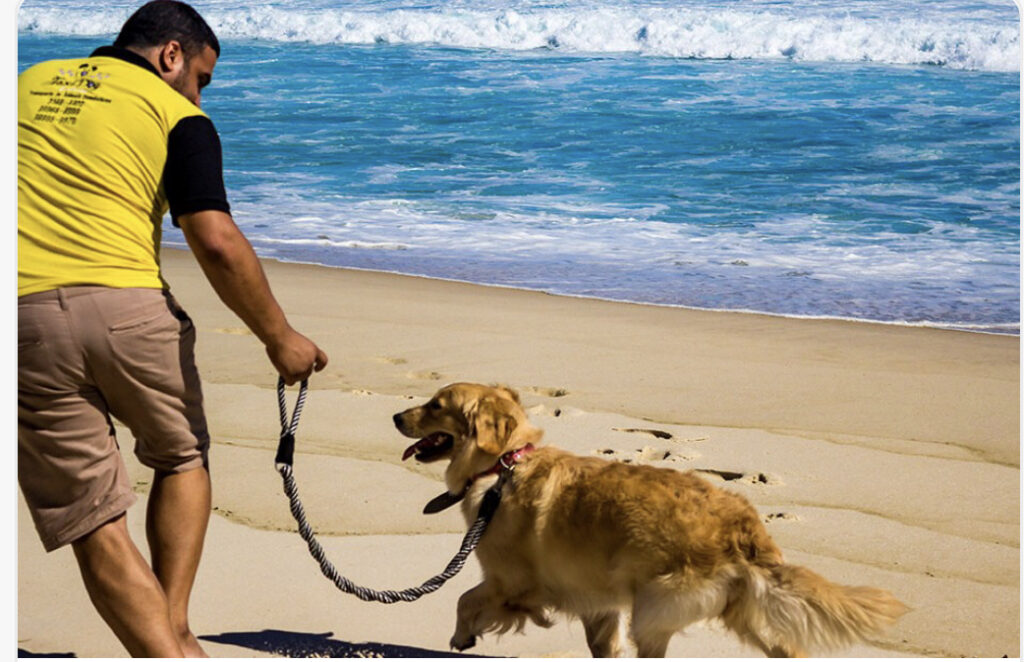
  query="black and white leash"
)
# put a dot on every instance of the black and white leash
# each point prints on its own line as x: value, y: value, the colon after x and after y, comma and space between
x: 283, y: 462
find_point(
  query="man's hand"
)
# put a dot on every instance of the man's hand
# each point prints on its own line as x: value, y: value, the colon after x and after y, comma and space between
x: 295, y: 356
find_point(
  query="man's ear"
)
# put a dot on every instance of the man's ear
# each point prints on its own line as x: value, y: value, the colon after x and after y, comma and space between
x: 492, y: 423
x: 171, y: 58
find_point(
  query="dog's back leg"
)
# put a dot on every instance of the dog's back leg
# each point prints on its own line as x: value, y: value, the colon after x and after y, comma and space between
x: 655, y: 618
x: 651, y: 624
x: 735, y: 621
x: 666, y: 606
x: 651, y: 643
x: 742, y: 609
x: 602, y: 633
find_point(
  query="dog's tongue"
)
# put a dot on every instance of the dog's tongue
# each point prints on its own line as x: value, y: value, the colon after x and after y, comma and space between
x: 422, y: 444
x: 410, y: 451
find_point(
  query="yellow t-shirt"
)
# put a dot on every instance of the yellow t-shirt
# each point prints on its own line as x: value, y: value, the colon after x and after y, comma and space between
x: 92, y: 144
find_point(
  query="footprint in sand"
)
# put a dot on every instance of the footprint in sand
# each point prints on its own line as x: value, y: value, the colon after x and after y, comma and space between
x: 428, y: 375
x: 547, y: 391
x: 752, y: 479
x: 612, y: 454
x: 543, y: 410
x: 775, y: 517
x: 645, y: 455
x: 660, y: 434
x: 654, y: 433
x: 390, y: 360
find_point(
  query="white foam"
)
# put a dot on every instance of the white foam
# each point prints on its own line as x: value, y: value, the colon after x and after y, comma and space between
x: 977, y: 43
x: 594, y: 234
x: 996, y: 328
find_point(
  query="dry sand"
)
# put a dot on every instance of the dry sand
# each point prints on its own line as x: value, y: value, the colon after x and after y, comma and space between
x: 877, y: 455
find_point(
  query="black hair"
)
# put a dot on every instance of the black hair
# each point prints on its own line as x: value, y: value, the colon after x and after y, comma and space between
x: 157, y: 22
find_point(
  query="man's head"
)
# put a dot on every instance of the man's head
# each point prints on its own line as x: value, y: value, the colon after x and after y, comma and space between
x: 177, y: 41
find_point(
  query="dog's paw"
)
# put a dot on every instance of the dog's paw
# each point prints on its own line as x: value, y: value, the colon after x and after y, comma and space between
x: 461, y: 644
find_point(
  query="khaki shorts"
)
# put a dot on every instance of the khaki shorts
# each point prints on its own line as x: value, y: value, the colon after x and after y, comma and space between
x: 86, y: 354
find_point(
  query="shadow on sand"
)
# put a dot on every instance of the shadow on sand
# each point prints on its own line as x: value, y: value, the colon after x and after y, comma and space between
x: 304, y: 644
x: 24, y: 653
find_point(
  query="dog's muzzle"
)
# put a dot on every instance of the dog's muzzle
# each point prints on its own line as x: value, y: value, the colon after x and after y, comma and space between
x: 430, y: 448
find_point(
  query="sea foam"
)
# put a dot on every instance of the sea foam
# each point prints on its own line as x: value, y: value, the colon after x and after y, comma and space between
x: 699, y: 33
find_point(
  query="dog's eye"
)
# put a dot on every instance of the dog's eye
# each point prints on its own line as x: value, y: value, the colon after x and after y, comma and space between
x: 433, y: 405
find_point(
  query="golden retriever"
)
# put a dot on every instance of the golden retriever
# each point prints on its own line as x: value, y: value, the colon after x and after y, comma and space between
x: 592, y: 538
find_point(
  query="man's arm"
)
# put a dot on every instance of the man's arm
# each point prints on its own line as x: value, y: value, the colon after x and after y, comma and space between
x: 231, y: 266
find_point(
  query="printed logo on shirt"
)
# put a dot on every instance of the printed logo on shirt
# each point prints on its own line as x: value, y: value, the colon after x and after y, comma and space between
x: 87, y: 76
x: 75, y: 89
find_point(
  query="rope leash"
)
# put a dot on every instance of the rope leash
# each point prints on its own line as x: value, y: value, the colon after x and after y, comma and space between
x: 283, y: 462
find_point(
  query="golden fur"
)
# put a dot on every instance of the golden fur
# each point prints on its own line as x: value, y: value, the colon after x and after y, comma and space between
x: 593, y: 538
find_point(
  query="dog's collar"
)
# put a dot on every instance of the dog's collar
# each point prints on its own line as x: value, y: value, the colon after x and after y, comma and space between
x: 503, y: 468
x: 505, y: 464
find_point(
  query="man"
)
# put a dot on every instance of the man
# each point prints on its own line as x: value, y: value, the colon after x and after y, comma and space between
x: 105, y: 145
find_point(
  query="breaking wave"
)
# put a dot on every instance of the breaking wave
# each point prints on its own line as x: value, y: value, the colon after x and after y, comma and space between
x: 698, y: 33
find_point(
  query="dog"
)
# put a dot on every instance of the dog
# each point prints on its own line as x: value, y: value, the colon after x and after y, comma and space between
x: 592, y: 538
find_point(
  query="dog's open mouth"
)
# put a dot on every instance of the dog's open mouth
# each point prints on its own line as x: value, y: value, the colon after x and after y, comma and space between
x: 430, y: 448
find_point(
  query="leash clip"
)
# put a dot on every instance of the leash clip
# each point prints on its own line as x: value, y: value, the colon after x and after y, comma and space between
x: 509, y: 460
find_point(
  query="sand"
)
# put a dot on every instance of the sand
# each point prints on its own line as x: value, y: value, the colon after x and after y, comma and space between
x: 877, y: 454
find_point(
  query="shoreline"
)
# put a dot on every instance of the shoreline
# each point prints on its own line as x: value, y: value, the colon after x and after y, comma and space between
x: 892, y: 361
x: 875, y: 455
x: 988, y: 329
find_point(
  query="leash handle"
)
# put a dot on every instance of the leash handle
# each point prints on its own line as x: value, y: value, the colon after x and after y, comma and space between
x: 286, y: 446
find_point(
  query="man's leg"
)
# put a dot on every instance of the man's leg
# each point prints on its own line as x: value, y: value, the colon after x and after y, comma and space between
x: 176, y: 521
x: 125, y: 591
x: 145, y: 342
x: 72, y: 475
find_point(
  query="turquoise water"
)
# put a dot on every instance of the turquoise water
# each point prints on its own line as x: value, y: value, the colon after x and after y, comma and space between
x: 857, y: 162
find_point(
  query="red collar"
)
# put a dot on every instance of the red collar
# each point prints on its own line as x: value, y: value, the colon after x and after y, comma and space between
x: 505, y: 464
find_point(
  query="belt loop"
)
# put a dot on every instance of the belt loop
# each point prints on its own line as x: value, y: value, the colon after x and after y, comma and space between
x: 61, y: 297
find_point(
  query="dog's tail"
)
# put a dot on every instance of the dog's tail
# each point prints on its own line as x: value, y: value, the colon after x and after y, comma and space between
x: 788, y: 610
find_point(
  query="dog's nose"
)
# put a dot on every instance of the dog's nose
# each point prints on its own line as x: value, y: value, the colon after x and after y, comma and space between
x: 397, y: 418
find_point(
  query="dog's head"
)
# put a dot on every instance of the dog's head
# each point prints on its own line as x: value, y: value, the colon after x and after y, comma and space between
x: 470, y: 424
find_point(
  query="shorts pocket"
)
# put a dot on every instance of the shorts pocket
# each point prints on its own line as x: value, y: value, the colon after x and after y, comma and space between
x: 145, y: 340
x: 153, y: 313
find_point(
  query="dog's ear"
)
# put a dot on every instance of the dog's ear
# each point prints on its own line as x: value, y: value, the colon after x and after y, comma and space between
x: 492, y: 422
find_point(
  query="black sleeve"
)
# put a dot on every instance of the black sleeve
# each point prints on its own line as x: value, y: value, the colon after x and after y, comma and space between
x: 193, y: 175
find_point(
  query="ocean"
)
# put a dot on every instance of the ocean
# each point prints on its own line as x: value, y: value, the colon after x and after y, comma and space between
x: 837, y: 159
